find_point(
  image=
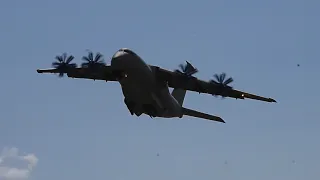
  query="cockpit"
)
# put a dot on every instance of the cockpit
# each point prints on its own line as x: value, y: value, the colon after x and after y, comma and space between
x: 125, y: 58
x: 126, y: 50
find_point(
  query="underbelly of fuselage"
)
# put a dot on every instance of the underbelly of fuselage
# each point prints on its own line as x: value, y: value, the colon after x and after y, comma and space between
x: 138, y: 84
x: 136, y: 88
x: 141, y: 92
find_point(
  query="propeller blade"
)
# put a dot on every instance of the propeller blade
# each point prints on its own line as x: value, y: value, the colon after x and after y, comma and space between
x: 85, y: 58
x: 98, y: 57
x: 228, y: 81
x: 217, y: 78
x: 90, y: 56
x: 182, y: 67
x: 69, y: 59
x: 64, y: 57
x: 187, y: 69
x: 56, y: 64
x: 213, y: 81
x: 222, y: 77
x: 59, y: 58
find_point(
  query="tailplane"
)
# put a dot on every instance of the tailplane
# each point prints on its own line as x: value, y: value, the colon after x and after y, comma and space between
x: 179, y: 95
x: 193, y: 113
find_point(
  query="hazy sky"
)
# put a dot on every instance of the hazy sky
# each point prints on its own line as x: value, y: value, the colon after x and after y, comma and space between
x: 59, y: 128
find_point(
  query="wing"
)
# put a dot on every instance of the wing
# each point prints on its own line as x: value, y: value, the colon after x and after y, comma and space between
x: 105, y: 73
x: 191, y: 83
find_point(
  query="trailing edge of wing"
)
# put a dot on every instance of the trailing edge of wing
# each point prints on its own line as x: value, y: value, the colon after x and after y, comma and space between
x: 193, y: 113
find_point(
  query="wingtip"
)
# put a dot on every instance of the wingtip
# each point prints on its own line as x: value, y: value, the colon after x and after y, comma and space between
x: 221, y: 120
x: 272, y: 100
x: 49, y: 70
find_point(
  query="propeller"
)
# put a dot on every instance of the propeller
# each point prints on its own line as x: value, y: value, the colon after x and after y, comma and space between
x: 63, y: 63
x: 187, y: 69
x: 220, y: 80
x: 93, y: 62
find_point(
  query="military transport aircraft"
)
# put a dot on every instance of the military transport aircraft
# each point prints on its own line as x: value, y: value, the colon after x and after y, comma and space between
x: 146, y: 87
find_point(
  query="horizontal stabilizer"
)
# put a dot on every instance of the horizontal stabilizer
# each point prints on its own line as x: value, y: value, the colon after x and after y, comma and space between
x: 193, y: 113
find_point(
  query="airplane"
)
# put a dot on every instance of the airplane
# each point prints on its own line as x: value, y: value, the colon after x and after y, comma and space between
x: 145, y: 87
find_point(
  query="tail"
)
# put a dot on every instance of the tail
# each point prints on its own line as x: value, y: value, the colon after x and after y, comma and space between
x: 179, y: 95
x: 193, y: 113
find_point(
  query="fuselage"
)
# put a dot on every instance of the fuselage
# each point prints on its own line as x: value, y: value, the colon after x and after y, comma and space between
x: 142, y: 93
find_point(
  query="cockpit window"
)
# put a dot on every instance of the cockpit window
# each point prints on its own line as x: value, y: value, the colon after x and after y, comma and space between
x: 128, y: 51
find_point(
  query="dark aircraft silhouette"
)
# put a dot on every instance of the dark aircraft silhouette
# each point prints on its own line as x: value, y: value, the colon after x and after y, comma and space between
x: 146, y: 87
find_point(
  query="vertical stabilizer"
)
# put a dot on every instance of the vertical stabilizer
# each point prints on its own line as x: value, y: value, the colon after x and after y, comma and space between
x: 179, y: 95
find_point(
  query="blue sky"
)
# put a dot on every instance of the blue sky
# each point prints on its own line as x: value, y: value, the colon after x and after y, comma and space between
x: 80, y: 129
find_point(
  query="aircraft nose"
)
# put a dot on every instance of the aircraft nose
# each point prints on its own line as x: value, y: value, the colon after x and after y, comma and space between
x: 119, y: 54
x: 118, y: 59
